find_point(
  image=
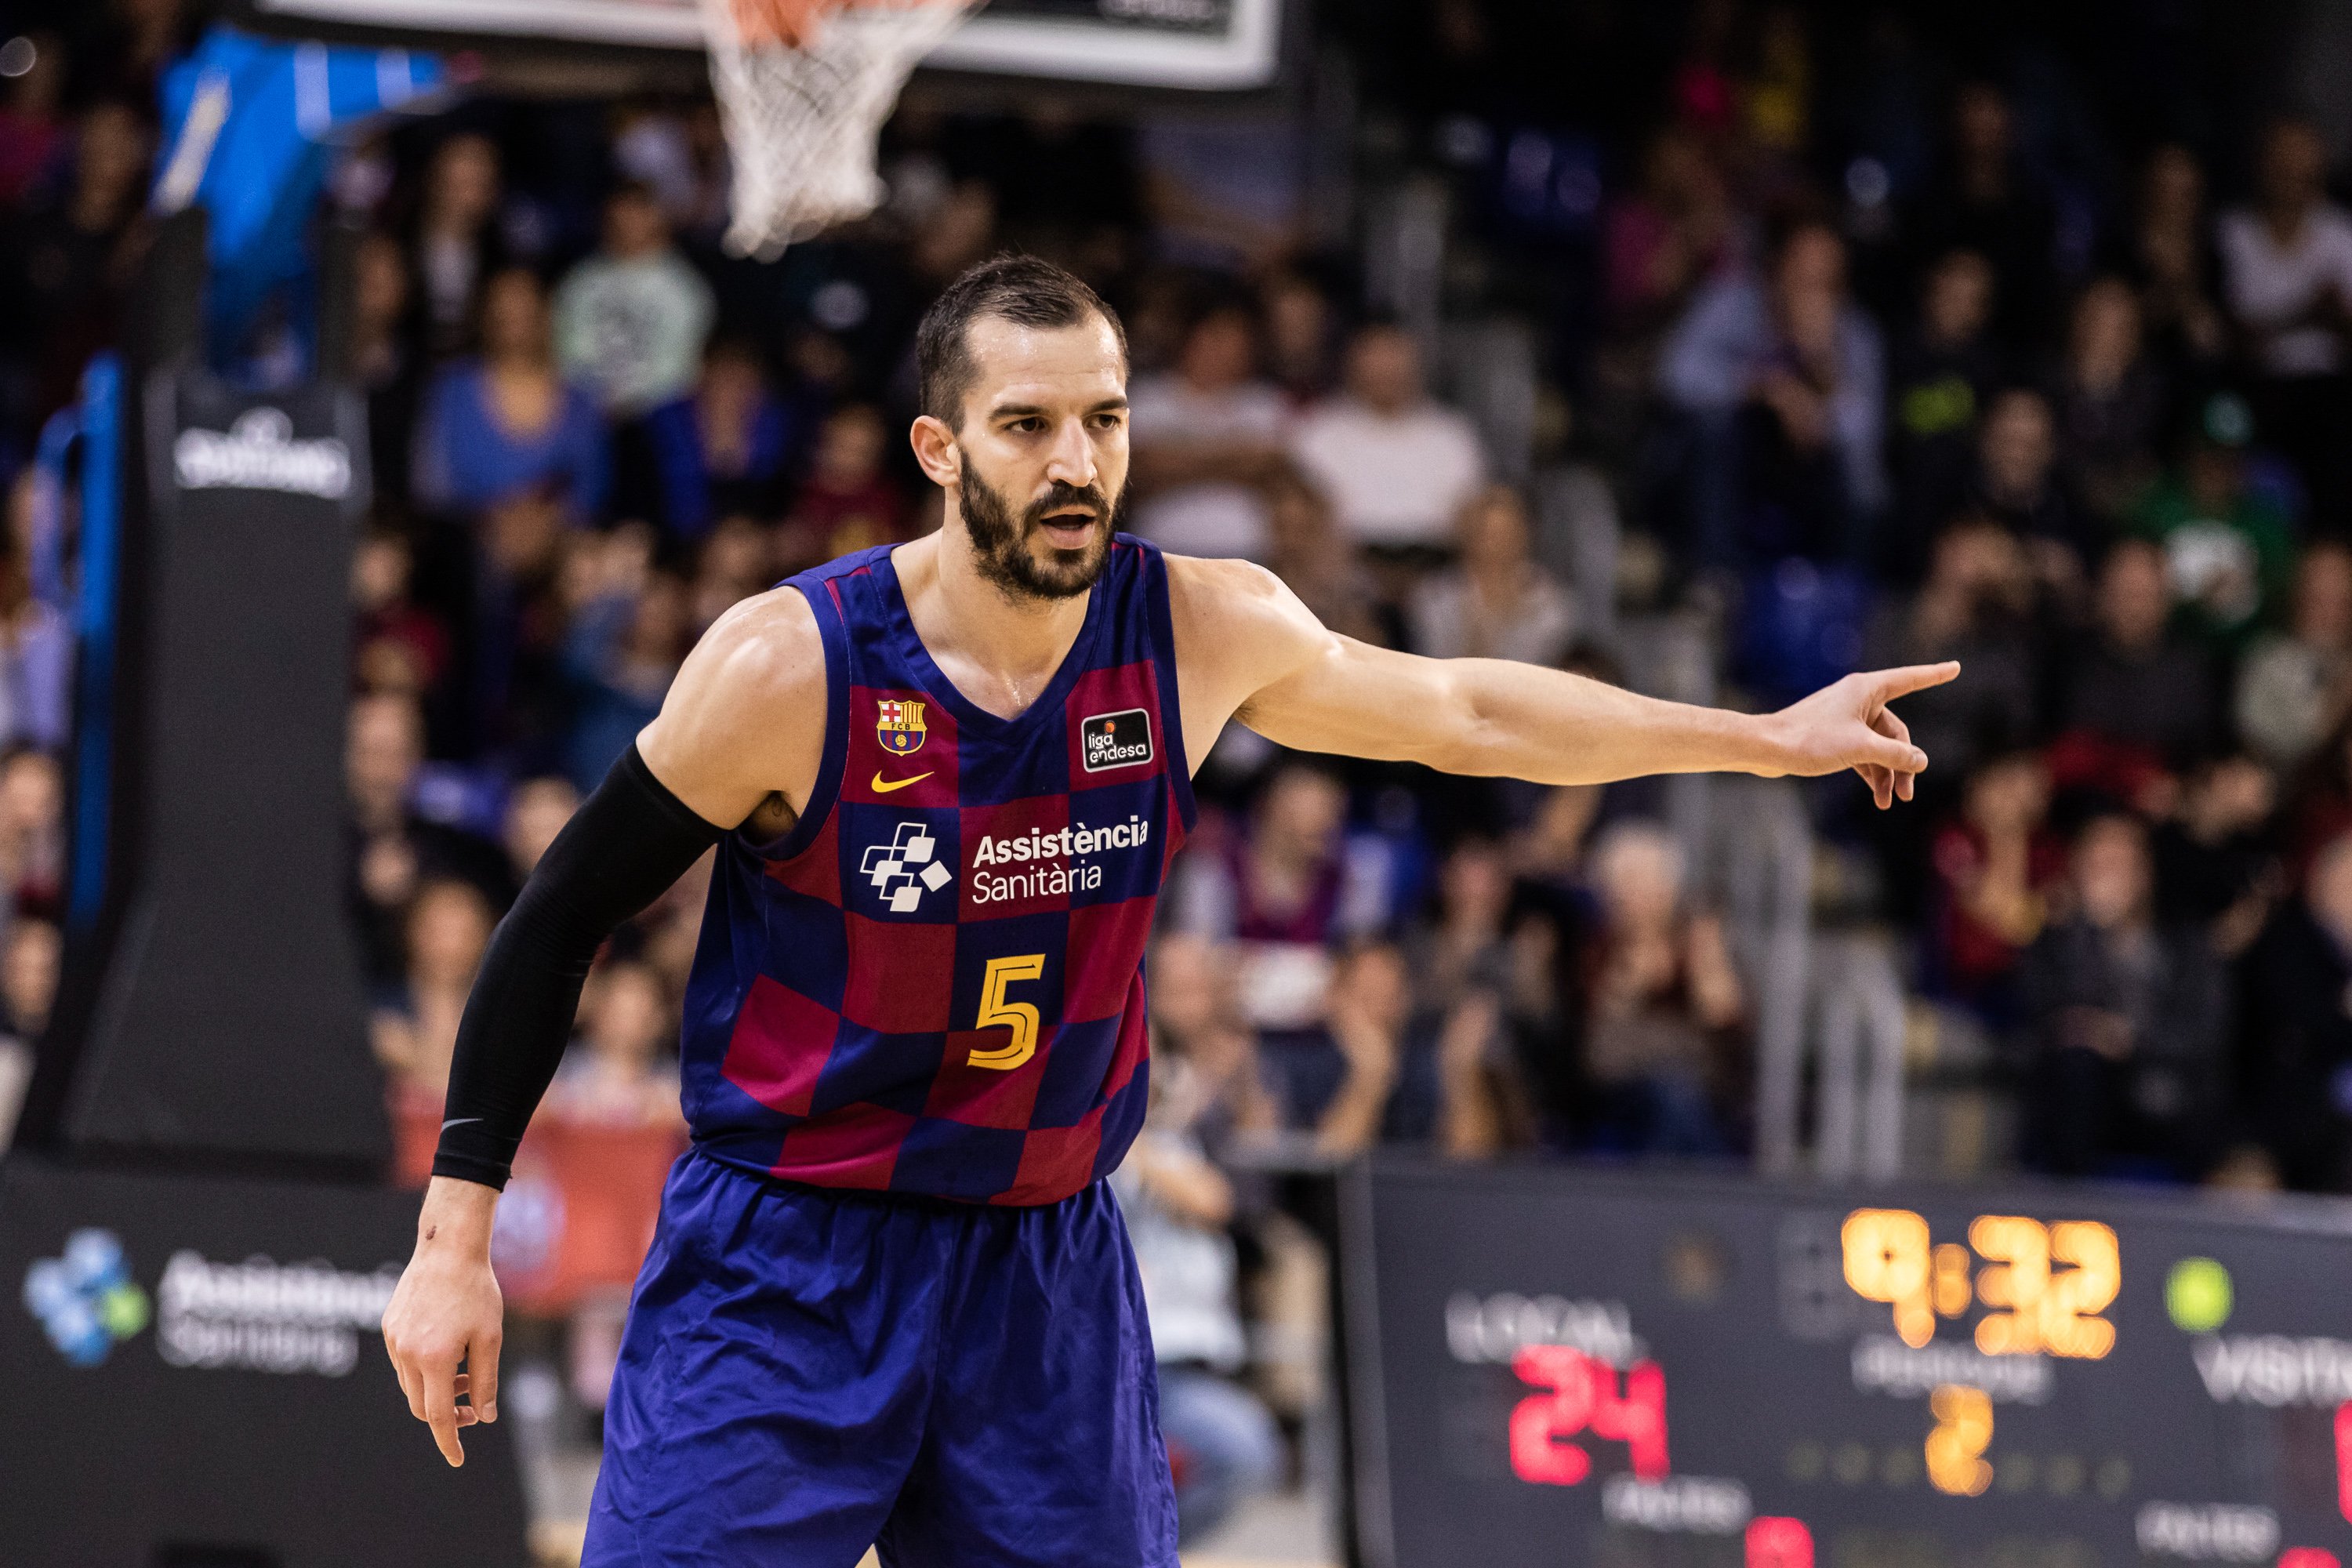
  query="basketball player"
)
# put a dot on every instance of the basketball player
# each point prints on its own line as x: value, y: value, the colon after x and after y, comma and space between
x: 891, y: 1300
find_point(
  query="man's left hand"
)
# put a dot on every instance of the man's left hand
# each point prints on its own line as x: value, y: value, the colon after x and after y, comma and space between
x: 1849, y: 725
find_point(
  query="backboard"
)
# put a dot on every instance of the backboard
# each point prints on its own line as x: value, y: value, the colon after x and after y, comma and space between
x: 1202, y: 45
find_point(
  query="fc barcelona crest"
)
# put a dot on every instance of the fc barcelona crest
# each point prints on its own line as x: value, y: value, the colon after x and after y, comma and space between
x: 900, y: 727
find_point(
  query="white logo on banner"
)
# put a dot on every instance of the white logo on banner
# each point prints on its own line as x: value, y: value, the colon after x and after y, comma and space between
x: 259, y: 453
x: 267, y: 1316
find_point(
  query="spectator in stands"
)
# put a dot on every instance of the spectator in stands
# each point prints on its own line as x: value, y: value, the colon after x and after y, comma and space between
x: 1207, y: 437
x: 1197, y: 1022
x: 507, y: 426
x: 2127, y: 1020
x: 401, y: 647
x: 2289, y: 275
x: 2110, y: 402
x: 28, y: 986
x: 386, y: 361
x: 630, y: 320
x: 1996, y: 868
x: 1665, y: 238
x: 2016, y: 482
x: 2229, y: 547
x: 620, y: 1078
x: 32, y: 131
x: 1306, y: 551
x: 1495, y: 602
x: 1395, y: 465
x: 36, y: 651
x: 1667, y: 1009
x: 1985, y: 201
x: 1548, y: 854
x: 1978, y: 605
x: 1288, y: 890
x: 32, y: 834
x: 1554, y: 920
x: 73, y: 256
x: 1779, y: 382
x: 1944, y: 372
x: 2298, y: 1038
x: 2296, y: 684
x: 736, y: 561
x: 848, y: 501
x: 28, y: 979
x: 1298, y: 338
x: 2172, y: 261
x: 623, y: 1072
x: 456, y: 247
x: 1222, y: 1444
x: 1368, y: 1009
x: 2217, y: 865
x: 1477, y: 1013
x: 2134, y: 702
x: 394, y: 851
x: 724, y: 452
x: 415, y: 1024
x: 665, y: 150
x: 620, y: 654
x: 536, y: 812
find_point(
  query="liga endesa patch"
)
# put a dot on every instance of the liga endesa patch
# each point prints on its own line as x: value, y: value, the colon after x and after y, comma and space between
x: 1119, y: 740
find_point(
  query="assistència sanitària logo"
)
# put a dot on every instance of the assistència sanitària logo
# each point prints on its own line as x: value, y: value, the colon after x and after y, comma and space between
x: 86, y: 1299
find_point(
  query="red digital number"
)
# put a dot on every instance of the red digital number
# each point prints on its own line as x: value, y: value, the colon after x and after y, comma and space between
x: 2344, y: 1458
x: 1777, y: 1543
x: 2306, y: 1557
x: 1581, y: 1393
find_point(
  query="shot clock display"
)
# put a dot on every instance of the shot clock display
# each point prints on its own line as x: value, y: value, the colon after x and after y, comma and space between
x: 1559, y: 1367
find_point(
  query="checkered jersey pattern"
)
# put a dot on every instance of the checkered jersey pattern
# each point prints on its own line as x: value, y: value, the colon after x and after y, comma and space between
x: 934, y: 984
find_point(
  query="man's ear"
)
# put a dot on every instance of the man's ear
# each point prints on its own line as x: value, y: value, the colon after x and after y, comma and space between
x: 936, y: 450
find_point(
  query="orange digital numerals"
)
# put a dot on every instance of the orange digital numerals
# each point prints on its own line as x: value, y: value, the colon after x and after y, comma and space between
x: 1581, y: 1394
x: 2034, y: 1306
x: 1956, y: 1462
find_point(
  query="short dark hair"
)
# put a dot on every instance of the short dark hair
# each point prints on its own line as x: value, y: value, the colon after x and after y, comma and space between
x: 1022, y: 290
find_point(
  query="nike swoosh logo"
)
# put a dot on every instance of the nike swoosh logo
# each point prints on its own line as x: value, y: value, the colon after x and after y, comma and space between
x: 458, y: 1121
x: 884, y: 786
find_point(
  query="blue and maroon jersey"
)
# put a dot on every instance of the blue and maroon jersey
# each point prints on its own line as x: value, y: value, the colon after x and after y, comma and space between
x: 934, y: 984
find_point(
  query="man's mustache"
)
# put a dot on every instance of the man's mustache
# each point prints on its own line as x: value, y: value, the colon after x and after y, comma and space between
x: 1061, y: 497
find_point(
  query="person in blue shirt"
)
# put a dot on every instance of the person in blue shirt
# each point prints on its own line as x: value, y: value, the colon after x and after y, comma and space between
x: 506, y: 423
x: 726, y: 450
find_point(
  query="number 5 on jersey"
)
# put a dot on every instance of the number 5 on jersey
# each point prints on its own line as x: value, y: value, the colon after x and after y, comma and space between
x: 1021, y: 1017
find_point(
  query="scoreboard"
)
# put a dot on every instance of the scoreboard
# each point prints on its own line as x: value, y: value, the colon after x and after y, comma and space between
x: 1562, y: 1367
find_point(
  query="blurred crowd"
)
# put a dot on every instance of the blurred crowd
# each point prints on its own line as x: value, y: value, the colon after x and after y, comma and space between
x: 1853, y: 343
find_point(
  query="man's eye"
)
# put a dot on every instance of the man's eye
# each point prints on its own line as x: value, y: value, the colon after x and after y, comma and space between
x: 1028, y: 426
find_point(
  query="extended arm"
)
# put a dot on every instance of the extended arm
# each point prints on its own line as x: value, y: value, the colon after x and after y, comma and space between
x: 1286, y: 677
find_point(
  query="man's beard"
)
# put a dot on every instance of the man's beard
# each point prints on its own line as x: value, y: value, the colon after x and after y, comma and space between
x: 999, y: 541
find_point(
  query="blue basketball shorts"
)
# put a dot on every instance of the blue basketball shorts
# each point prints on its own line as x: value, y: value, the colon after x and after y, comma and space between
x: 807, y: 1372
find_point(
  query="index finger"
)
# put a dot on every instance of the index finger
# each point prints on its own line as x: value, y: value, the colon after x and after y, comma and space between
x: 441, y: 1412
x: 1910, y: 678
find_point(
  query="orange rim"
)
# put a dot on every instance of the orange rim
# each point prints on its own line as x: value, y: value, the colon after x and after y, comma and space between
x: 793, y: 22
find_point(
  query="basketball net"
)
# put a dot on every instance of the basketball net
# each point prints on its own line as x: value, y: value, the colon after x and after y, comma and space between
x: 803, y: 86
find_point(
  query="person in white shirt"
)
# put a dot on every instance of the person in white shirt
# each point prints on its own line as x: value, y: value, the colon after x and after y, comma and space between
x: 2290, y: 260
x: 2288, y: 266
x: 630, y: 320
x: 1496, y: 602
x: 1208, y: 438
x: 1395, y: 465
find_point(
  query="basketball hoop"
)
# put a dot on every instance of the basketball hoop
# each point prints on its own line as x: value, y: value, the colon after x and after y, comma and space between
x: 803, y: 86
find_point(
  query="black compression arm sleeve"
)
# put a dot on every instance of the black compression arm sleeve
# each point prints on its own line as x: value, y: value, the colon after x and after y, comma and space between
x: 621, y: 850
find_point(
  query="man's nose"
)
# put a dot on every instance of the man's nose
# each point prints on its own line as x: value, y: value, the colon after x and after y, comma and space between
x: 1072, y: 460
